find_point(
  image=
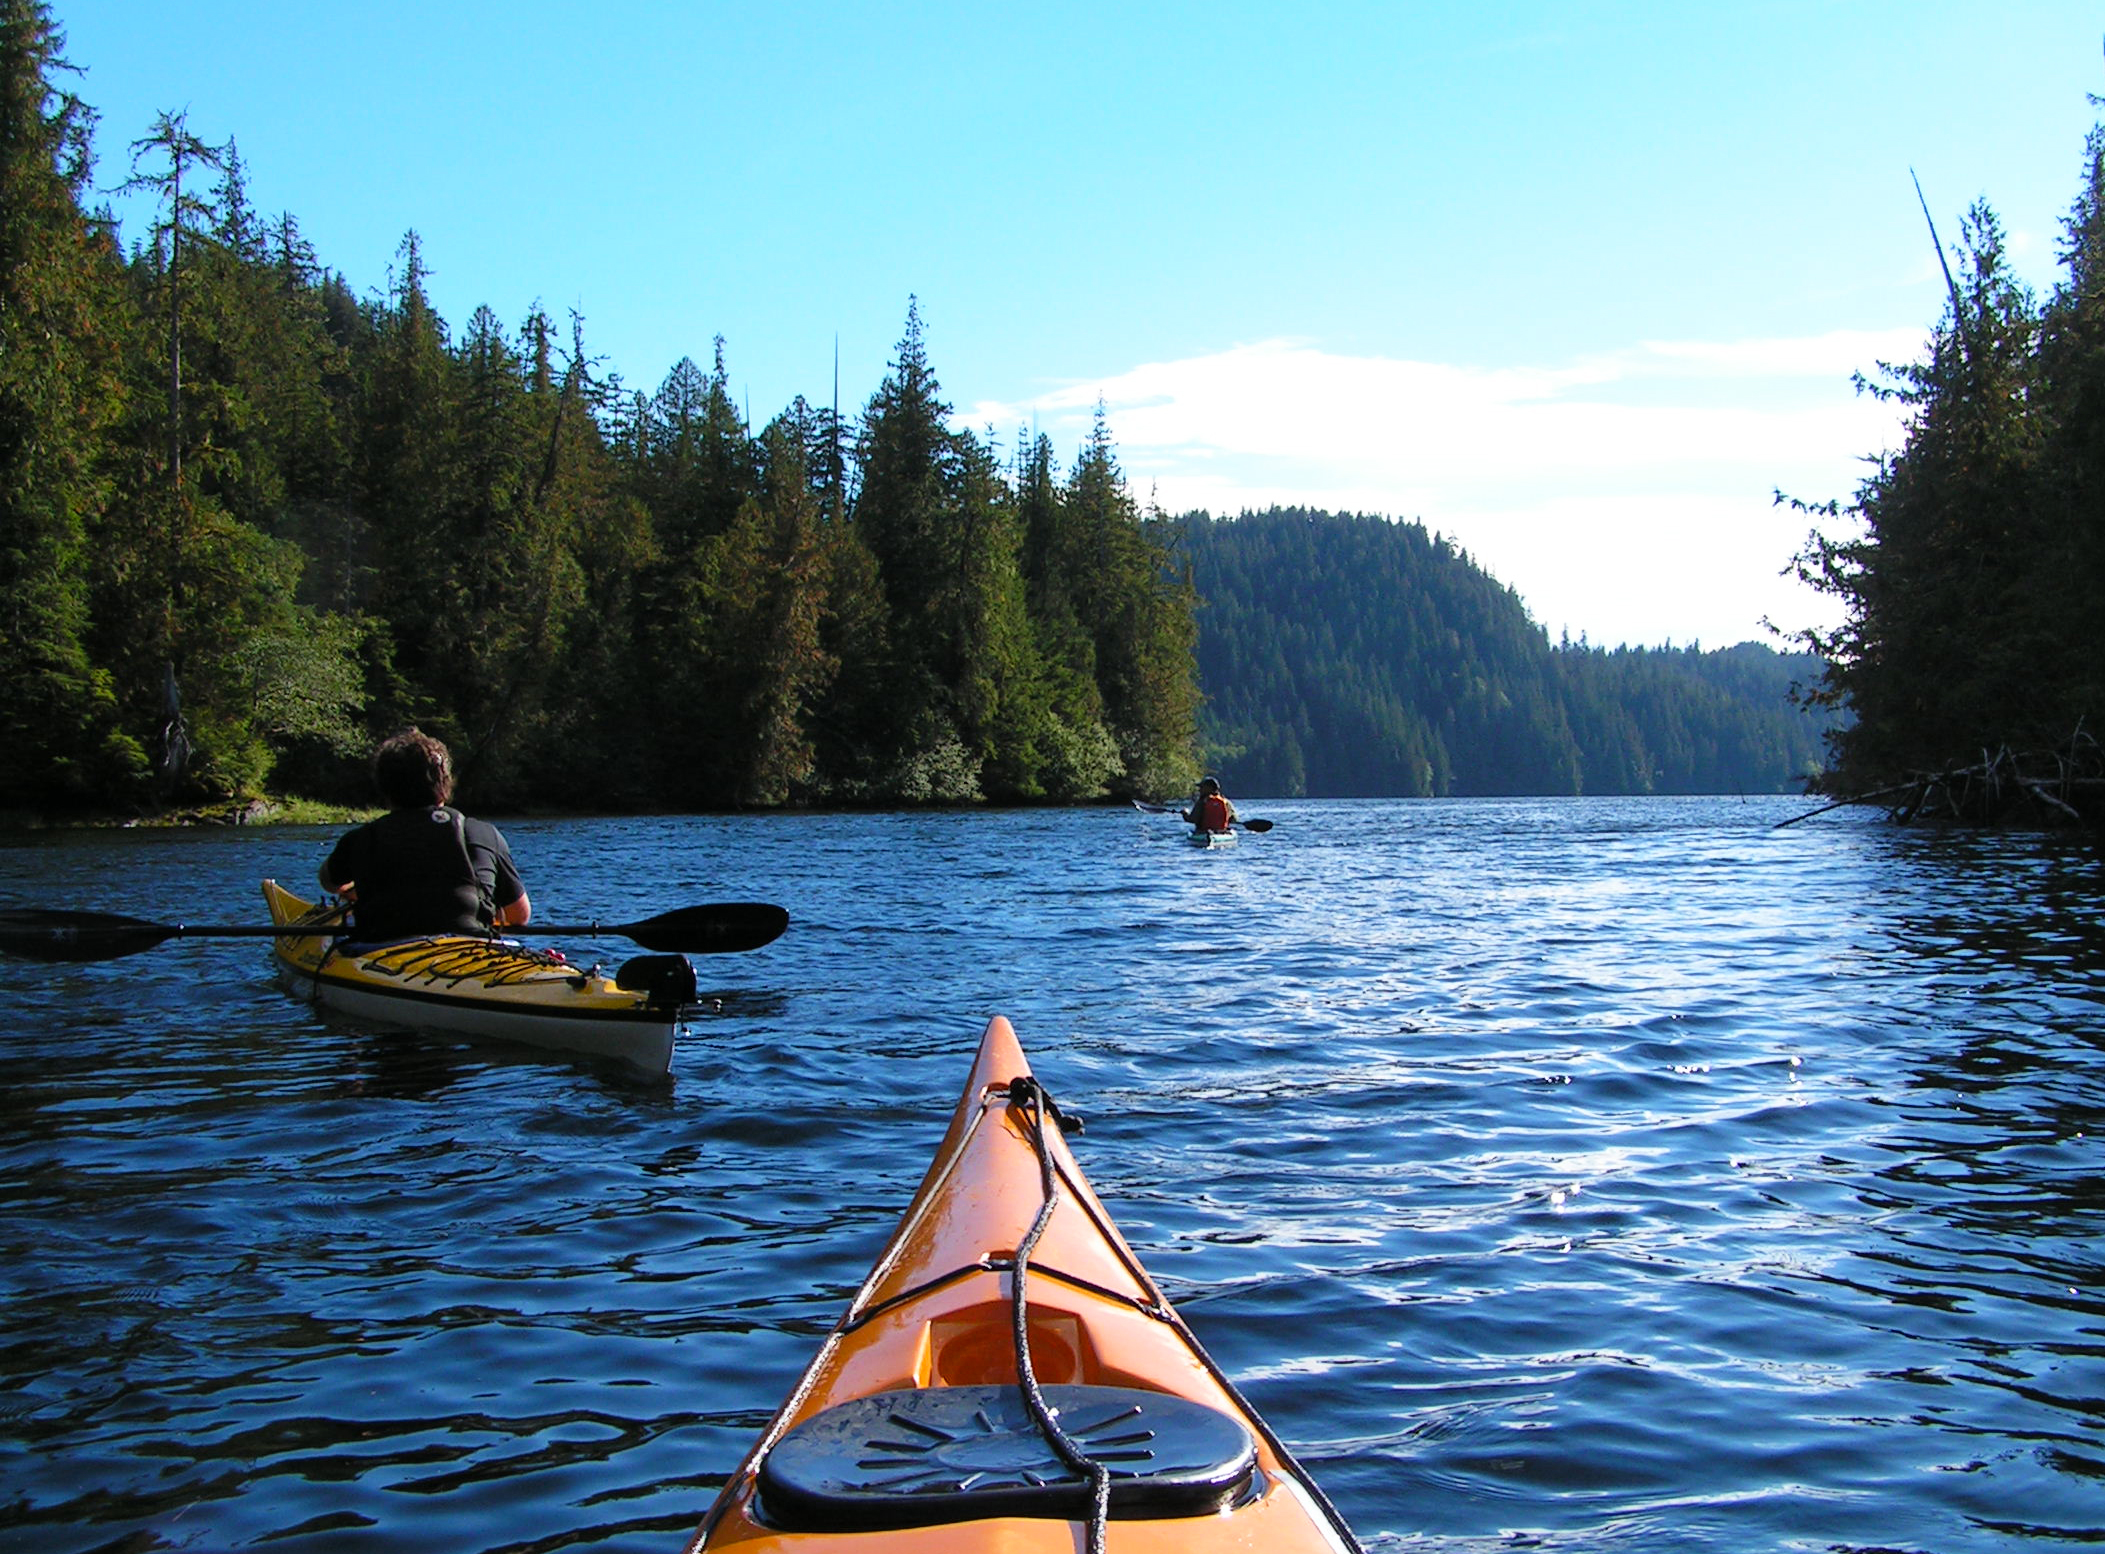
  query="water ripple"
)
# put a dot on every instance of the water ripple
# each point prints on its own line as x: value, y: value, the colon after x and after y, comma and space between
x: 1593, y: 1175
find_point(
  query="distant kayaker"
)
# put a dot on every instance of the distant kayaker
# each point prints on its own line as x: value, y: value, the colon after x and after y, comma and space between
x: 1210, y: 810
x: 424, y: 867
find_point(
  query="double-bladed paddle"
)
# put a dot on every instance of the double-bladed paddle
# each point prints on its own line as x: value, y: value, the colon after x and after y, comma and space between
x: 716, y: 929
x: 1259, y: 826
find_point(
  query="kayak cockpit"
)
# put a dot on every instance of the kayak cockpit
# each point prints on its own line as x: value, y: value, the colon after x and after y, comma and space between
x: 922, y: 1456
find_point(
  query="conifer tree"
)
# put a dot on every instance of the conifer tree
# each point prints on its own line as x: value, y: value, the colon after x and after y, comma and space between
x: 999, y: 686
x: 972, y: 707
x: 700, y: 466
x: 197, y: 569
x: 2068, y: 574
x: 403, y: 475
x: 164, y: 515
x: 62, y: 319
x: 766, y: 590
x: 1136, y: 608
x: 905, y: 513
x: 1937, y: 655
x: 694, y: 466
x: 185, y: 156
x: 1079, y: 756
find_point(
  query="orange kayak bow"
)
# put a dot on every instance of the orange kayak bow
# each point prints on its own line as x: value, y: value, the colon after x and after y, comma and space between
x: 1009, y: 1378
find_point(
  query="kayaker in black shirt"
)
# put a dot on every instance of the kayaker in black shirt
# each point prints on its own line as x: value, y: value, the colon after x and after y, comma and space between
x: 424, y: 867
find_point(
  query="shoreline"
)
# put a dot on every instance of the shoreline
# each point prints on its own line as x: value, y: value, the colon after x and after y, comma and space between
x: 254, y: 812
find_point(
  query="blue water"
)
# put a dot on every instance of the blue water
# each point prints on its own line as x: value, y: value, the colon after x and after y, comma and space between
x: 1567, y: 1175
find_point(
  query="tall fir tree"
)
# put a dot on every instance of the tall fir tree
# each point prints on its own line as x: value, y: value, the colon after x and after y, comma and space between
x: 197, y: 579
x: 1079, y: 755
x: 693, y: 464
x: 2069, y: 565
x: 903, y: 511
x: 1135, y: 604
x: 765, y: 582
x: 1938, y: 653
x: 404, y: 478
x: 62, y: 322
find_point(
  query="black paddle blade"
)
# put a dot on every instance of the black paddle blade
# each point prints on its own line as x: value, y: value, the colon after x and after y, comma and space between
x: 718, y: 929
x: 1257, y: 825
x: 58, y: 935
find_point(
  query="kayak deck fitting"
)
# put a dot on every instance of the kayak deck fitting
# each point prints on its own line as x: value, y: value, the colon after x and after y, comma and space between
x: 484, y: 987
x: 1007, y: 1371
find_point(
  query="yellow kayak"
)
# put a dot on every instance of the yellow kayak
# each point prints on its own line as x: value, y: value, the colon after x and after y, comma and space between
x: 923, y: 1427
x: 484, y: 987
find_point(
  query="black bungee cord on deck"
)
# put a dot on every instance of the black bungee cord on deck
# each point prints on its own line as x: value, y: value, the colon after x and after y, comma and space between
x: 341, y: 911
x: 1028, y: 1093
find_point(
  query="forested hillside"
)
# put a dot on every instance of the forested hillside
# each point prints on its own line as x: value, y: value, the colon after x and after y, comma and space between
x: 1347, y: 655
x: 248, y: 520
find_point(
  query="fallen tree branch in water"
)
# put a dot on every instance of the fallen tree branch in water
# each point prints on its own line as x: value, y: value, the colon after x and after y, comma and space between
x: 1854, y: 798
x: 2060, y: 786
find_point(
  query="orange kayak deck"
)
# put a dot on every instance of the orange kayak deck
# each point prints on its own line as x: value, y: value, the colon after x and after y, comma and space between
x: 909, y: 1431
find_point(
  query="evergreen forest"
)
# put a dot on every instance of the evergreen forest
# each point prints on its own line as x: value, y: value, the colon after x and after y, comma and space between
x: 249, y: 520
x: 1971, y: 562
x: 1351, y: 656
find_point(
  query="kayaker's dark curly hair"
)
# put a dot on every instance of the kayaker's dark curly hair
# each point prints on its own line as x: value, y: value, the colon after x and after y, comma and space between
x: 412, y: 770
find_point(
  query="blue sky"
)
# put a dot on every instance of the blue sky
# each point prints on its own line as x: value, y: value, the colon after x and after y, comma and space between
x: 1576, y: 284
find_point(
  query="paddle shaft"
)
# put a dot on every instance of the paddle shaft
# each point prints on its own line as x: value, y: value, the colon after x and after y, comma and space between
x: 718, y: 928
x: 1259, y: 826
x: 344, y: 930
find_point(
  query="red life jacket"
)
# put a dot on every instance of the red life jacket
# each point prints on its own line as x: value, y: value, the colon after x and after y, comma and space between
x: 1210, y: 813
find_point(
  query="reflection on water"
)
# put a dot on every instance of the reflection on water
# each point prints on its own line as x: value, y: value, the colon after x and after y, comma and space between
x: 1567, y: 1175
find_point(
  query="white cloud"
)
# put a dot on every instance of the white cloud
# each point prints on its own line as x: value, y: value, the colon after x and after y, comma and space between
x: 1627, y: 496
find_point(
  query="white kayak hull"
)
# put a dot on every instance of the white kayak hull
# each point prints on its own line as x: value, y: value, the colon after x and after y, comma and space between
x: 644, y: 1043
